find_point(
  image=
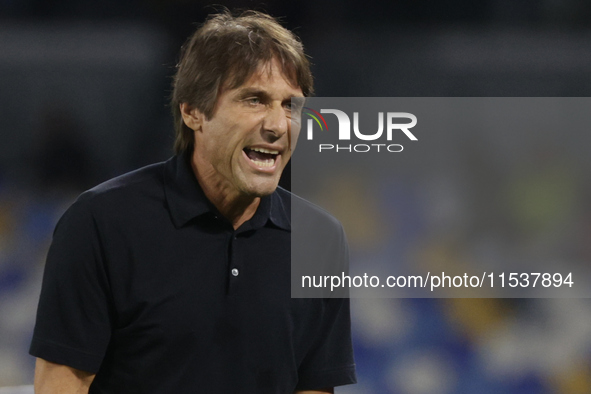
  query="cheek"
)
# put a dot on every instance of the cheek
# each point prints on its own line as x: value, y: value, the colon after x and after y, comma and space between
x: 219, y: 141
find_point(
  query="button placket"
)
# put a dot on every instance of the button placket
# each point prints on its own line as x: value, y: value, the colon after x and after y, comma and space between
x: 234, y: 263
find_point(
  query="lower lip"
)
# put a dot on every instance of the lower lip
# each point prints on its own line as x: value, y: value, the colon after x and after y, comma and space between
x: 266, y: 170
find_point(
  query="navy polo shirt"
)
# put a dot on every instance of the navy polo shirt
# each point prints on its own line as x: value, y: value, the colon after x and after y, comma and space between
x: 149, y: 287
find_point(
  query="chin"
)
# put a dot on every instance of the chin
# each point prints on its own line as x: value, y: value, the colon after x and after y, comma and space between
x: 263, y: 192
x: 263, y: 189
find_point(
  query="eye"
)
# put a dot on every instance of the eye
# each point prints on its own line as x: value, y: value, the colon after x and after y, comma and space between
x: 253, y: 101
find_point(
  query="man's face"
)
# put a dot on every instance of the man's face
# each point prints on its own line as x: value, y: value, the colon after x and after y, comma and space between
x: 246, y: 144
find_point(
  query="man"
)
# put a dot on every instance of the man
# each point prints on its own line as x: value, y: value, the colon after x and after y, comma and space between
x: 175, y: 278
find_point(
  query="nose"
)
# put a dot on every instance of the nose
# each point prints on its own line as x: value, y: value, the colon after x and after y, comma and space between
x: 276, y: 122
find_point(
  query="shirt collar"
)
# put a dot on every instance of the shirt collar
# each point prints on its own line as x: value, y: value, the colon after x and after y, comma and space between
x: 186, y: 200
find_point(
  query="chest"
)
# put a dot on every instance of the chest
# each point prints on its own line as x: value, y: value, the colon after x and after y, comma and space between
x: 213, y: 284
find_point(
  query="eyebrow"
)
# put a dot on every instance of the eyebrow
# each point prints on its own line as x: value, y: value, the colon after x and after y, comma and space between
x: 246, y: 92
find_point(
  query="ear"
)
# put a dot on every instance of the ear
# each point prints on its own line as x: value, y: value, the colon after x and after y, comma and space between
x: 192, y: 117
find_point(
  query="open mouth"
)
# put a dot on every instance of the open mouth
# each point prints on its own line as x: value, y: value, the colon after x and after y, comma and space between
x: 262, y: 157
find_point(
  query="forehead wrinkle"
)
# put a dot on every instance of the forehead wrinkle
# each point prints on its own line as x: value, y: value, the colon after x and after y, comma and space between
x: 257, y: 75
x: 251, y: 90
x: 256, y: 83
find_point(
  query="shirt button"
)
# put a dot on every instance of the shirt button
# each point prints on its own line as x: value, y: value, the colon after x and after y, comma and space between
x: 235, y: 271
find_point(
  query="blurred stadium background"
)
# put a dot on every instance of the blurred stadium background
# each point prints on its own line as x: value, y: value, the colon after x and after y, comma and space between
x: 83, y: 97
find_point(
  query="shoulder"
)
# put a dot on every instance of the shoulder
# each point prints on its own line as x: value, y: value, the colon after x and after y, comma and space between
x: 126, y: 190
x: 309, y: 218
x: 307, y: 214
x: 318, y: 248
x: 141, y: 181
x: 122, y: 195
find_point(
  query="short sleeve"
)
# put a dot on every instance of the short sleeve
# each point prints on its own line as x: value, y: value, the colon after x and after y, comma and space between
x: 73, y: 325
x: 330, y: 361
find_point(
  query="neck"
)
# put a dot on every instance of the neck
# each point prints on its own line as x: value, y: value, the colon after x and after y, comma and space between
x: 233, y: 205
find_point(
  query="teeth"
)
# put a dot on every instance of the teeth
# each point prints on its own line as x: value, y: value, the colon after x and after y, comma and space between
x: 266, y: 163
x: 263, y: 150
